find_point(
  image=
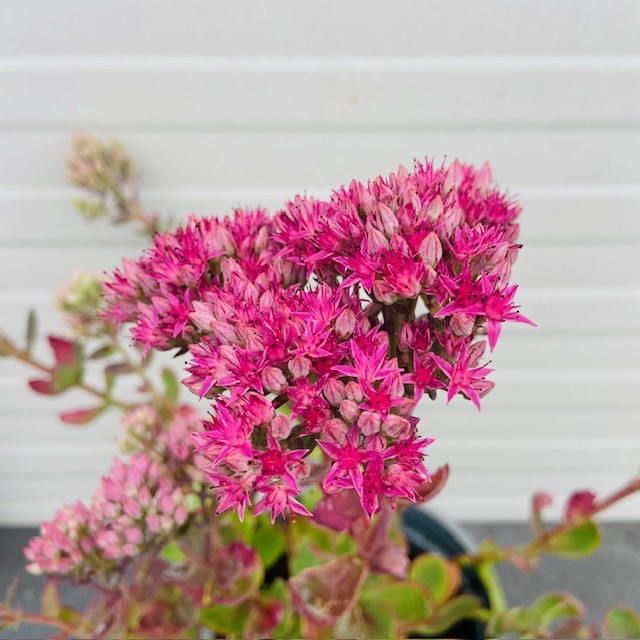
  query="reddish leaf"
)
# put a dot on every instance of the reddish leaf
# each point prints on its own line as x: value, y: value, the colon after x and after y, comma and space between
x: 324, y: 593
x: 429, y: 490
x: 580, y: 505
x: 540, y: 500
x: 45, y: 387
x: 81, y: 416
x: 64, y: 351
x: 339, y: 511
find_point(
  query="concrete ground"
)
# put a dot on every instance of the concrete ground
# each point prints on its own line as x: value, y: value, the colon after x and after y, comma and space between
x: 612, y: 576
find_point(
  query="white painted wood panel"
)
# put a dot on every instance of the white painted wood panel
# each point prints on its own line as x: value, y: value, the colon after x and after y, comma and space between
x: 602, y: 156
x: 234, y: 103
x: 580, y: 214
x: 333, y: 28
x: 359, y: 94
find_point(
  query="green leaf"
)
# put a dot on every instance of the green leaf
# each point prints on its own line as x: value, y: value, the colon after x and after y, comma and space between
x: 278, y: 591
x: 32, y: 330
x: 173, y: 554
x: 438, y: 575
x: 552, y: 607
x: 457, y: 609
x: 269, y: 542
x: 119, y: 368
x: 223, y: 619
x: 378, y: 621
x: 66, y: 376
x: 581, y: 540
x: 69, y: 615
x: 51, y: 605
x: 621, y: 622
x: 304, y: 559
x: 492, y: 585
x: 171, y: 385
x: 407, y: 602
x: 102, y: 352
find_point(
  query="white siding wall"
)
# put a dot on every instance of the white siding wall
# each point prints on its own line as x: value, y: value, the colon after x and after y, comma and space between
x: 229, y: 103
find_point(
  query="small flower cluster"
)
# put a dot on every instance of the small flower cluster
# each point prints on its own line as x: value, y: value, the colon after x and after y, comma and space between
x: 144, y: 430
x: 303, y: 329
x: 158, y: 292
x: 80, y: 301
x: 134, y: 506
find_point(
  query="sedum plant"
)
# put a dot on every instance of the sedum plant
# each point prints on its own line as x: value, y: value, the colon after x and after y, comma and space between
x: 269, y: 503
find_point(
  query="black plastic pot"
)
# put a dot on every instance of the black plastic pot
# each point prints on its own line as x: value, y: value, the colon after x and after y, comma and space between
x: 426, y: 531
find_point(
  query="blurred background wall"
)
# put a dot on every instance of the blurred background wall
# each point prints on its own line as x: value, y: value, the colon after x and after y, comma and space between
x: 233, y: 103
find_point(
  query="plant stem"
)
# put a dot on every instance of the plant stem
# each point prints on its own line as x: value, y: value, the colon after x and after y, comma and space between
x: 541, y: 542
x: 26, y: 358
x: 139, y: 370
x: 18, y: 617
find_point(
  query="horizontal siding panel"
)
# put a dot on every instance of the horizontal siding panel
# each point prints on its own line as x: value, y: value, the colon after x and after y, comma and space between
x: 31, y: 269
x: 224, y: 94
x: 549, y: 215
x: 277, y: 160
x: 328, y: 29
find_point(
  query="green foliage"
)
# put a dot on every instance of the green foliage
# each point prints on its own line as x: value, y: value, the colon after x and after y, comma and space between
x: 31, y: 332
x: 170, y: 384
x: 224, y: 619
x: 621, y: 622
x: 269, y: 542
x: 406, y: 602
x: 579, y: 541
x: 536, y: 620
x: 456, y: 610
x: 436, y: 574
x: 173, y: 554
x: 67, y: 376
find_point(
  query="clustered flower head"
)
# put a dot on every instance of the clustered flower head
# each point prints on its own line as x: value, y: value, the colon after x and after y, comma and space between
x: 145, y: 431
x: 135, y: 505
x: 80, y: 301
x: 319, y: 330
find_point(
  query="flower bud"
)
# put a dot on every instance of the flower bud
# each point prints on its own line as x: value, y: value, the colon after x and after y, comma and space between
x: 300, y: 367
x: 335, y: 391
x: 462, y: 324
x: 431, y: 249
x: 435, y: 208
x: 349, y: 410
x: 388, y: 220
x: 369, y: 423
x: 397, y: 427
x: 405, y: 337
x: 345, y: 324
x: 280, y: 427
x: 384, y: 293
x: 376, y: 240
x: 273, y: 380
x: 376, y: 443
x: 266, y: 300
x: 334, y: 430
x: 354, y: 391
x: 259, y: 408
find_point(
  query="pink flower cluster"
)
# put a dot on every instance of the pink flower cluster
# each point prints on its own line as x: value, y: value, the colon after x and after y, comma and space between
x: 145, y: 431
x: 134, y: 506
x: 320, y: 329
